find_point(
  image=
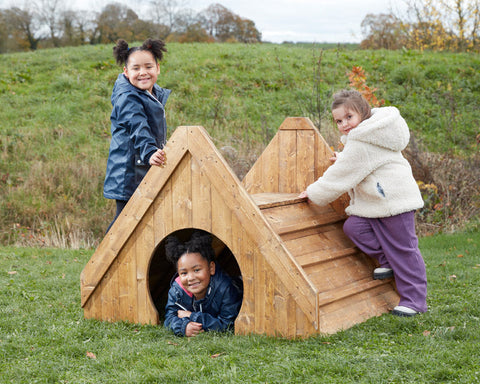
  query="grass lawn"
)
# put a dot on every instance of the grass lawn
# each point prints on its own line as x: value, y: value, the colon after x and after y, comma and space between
x: 44, y: 338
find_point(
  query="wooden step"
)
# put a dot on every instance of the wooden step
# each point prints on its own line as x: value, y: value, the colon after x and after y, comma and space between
x: 271, y: 200
x: 319, y: 257
x: 289, y: 214
x: 357, y: 287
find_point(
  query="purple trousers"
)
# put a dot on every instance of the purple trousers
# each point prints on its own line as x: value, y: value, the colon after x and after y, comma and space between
x: 393, y: 242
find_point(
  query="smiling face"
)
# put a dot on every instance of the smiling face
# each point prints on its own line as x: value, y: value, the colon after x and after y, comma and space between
x: 346, y: 119
x: 195, y: 271
x: 142, y: 70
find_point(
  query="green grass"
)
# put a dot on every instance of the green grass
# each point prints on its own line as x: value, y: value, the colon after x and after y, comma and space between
x: 44, y: 338
x: 55, y: 128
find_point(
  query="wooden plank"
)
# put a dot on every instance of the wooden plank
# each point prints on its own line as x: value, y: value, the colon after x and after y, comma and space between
x: 317, y: 257
x: 354, y: 288
x: 305, y: 159
x: 275, y: 199
x: 297, y: 123
x: 299, y: 217
x: 201, y: 198
x: 316, y: 243
x: 144, y: 249
x: 128, y: 282
x: 280, y: 315
x: 287, y: 167
x: 222, y: 212
x: 270, y: 167
x: 244, y: 250
x: 110, y: 304
x: 260, y: 294
x: 163, y: 213
x: 182, y: 194
x: 328, y: 278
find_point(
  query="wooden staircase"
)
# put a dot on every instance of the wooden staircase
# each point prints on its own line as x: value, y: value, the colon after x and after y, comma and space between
x: 341, y: 274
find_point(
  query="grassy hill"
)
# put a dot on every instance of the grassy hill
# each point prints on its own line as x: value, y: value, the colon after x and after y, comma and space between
x: 55, y: 129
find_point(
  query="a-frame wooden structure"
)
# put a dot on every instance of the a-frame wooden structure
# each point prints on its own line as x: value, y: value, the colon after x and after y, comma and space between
x: 301, y: 275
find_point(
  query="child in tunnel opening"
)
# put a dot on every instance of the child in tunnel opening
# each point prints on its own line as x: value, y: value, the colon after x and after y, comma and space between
x: 201, y: 297
x: 383, y: 194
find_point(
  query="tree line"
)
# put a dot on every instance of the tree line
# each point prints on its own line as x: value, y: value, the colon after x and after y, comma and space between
x: 49, y: 23
x: 437, y: 25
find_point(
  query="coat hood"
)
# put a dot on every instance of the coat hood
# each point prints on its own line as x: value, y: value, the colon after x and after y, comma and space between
x: 386, y: 128
x: 123, y: 85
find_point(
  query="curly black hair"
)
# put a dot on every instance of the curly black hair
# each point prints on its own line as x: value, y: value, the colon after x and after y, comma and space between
x: 121, y: 52
x: 200, y: 242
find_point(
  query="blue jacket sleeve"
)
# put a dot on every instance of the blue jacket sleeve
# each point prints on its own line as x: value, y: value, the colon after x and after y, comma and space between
x: 172, y: 321
x: 133, y: 115
x: 229, y: 306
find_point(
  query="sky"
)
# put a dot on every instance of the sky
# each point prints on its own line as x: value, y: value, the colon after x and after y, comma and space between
x: 318, y: 21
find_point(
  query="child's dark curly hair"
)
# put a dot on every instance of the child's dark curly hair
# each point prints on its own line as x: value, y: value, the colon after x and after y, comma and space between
x: 121, y: 52
x: 200, y: 242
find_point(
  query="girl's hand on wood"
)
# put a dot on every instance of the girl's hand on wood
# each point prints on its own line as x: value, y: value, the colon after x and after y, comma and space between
x: 193, y: 329
x: 334, y: 157
x: 159, y: 158
x: 303, y: 195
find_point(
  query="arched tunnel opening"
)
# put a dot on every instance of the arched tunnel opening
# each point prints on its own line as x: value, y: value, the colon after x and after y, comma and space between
x: 162, y: 272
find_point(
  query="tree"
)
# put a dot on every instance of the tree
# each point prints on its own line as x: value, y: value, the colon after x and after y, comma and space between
x: 49, y: 13
x: 382, y: 31
x: 166, y: 13
x: 22, y: 26
x: 430, y: 24
x: 224, y: 25
x: 114, y: 22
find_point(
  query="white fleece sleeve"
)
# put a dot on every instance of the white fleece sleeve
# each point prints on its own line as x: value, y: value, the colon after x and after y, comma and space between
x: 352, y: 166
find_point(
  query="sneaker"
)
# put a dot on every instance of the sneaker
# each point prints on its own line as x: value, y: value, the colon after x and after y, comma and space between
x: 382, y: 273
x: 400, y: 310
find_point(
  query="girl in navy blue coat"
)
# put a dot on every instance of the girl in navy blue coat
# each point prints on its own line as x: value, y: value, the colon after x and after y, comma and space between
x: 138, y: 124
x: 201, y: 297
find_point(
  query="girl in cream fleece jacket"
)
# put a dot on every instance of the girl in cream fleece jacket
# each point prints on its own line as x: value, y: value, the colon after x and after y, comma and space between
x: 383, y: 194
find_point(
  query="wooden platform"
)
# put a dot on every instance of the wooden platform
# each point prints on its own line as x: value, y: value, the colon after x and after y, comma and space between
x: 301, y: 275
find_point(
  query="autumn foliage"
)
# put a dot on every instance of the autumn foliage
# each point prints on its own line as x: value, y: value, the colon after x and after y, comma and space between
x: 437, y: 25
x: 358, y: 81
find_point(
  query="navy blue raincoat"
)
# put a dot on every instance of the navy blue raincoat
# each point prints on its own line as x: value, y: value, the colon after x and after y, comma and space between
x: 138, y: 129
x: 217, y: 311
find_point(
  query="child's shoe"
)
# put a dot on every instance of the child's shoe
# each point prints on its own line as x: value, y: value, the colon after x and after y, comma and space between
x: 382, y: 273
x: 400, y: 310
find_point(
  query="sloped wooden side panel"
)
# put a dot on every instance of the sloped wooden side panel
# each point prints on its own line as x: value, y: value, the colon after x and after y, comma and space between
x: 268, y: 307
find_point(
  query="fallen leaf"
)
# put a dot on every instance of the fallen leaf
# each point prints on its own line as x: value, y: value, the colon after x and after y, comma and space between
x: 452, y: 277
x: 91, y: 355
x: 171, y: 343
x: 12, y: 272
x: 460, y: 255
x: 426, y: 333
x: 216, y: 355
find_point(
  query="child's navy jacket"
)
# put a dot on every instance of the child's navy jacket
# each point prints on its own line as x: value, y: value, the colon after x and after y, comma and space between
x: 138, y: 129
x: 217, y: 311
